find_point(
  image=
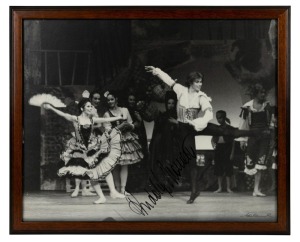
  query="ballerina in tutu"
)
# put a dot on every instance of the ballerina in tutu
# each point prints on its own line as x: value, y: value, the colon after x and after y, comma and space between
x: 131, y: 148
x: 98, y: 129
x: 88, y: 156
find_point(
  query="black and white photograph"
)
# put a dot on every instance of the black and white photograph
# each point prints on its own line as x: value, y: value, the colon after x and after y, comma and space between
x: 142, y: 119
x: 150, y: 120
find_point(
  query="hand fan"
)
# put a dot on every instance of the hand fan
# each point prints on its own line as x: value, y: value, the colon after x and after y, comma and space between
x: 39, y: 99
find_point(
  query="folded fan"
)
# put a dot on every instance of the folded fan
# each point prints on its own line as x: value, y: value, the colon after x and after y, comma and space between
x: 39, y: 99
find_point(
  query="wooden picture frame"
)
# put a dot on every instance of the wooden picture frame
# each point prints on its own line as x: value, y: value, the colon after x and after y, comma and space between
x: 19, y: 14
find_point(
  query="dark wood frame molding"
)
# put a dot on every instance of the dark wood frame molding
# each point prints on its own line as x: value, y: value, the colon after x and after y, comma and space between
x: 18, y: 14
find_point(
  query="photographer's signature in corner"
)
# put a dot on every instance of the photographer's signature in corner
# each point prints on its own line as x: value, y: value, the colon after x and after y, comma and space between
x: 255, y: 215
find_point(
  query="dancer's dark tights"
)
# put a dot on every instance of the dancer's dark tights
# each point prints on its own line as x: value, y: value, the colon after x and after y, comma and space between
x: 194, y: 179
x: 188, y: 138
x: 216, y: 130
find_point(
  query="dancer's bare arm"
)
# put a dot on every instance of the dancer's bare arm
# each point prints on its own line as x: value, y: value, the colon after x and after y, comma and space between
x: 66, y: 116
x: 161, y: 75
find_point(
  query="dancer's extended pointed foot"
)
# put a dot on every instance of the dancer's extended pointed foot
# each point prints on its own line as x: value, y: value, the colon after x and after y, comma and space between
x: 75, y: 193
x: 116, y: 195
x: 193, y: 197
x: 218, y: 191
x: 229, y: 190
x: 258, y: 194
x: 123, y: 191
x: 87, y: 193
x: 101, y: 200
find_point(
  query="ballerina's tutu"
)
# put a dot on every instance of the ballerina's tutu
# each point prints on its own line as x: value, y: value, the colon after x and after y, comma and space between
x: 108, y: 163
x: 131, y: 149
x: 84, y: 163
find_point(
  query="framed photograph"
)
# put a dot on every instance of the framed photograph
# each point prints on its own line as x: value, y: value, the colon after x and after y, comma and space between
x: 150, y: 120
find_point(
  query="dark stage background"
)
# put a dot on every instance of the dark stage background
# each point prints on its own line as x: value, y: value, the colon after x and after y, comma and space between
x: 65, y: 57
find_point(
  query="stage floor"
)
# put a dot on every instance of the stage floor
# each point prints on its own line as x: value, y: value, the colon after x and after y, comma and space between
x: 209, y: 206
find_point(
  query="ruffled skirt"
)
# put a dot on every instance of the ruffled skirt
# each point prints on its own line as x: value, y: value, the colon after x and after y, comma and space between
x: 84, y: 164
x: 131, y: 149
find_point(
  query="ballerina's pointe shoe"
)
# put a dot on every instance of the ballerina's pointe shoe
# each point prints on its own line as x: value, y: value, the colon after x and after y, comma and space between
x: 258, y: 194
x: 124, y: 192
x: 116, y: 195
x: 193, y: 197
x: 87, y: 193
x: 100, y: 200
x: 75, y: 193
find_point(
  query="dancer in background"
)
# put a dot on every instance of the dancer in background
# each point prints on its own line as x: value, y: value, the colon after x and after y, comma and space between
x: 131, y: 148
x: 194, y: 112
x: 137, y: 121
x: 272, y: 154
x: 98, y: 110
x: 223, y: 147
x: 95, y: 98
x: 164, y: 146
x: 147, y: 109
x: 88, y: 156
x: 141, y: 169
x: 256, y: 114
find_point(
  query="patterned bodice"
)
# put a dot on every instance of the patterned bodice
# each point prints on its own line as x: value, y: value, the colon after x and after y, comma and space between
x: 187, y: 113
x: 115, y: 123
x: 83, y: 133
x: 259, y: 119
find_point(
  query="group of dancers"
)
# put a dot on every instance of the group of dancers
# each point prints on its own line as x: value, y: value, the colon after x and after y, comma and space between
x: 104, y: 147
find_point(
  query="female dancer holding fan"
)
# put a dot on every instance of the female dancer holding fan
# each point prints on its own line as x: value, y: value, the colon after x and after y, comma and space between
x: 88, y: 156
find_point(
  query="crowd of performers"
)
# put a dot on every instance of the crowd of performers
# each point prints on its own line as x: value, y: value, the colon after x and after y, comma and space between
x: 108, y: 140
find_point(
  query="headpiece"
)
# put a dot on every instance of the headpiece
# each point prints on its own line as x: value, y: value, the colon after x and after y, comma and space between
x: 106, y: 94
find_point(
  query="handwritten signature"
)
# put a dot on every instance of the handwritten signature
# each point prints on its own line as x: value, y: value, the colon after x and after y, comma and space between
x: 172, y: 175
